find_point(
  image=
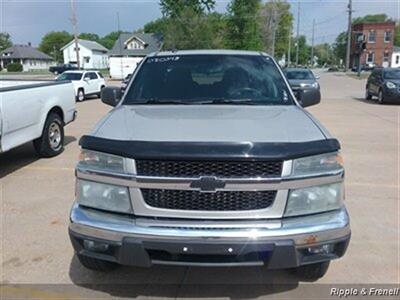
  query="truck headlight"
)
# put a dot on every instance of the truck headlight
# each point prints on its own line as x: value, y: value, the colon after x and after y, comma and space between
x: 314, y: 199
x: 317, y: 164
x: 390, y: 85
x: 104, y: 162
x: 103, y: 196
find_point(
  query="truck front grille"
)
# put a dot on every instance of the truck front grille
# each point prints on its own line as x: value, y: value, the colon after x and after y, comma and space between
x: 218, y: 201
x: 228, y: 169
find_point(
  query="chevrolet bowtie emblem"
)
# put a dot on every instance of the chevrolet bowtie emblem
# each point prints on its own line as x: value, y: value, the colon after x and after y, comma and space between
x: 208, y: 184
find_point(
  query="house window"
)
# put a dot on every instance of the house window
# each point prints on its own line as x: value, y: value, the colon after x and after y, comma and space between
x: 371, y: 36
x: 386, y: 56
x: 370, y: 58
x: 388, y: 36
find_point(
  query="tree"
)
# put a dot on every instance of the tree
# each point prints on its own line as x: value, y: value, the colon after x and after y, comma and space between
x: 340, y: 46
x: 108, y: 40
x: 89, y: 36
x: 397, y: 35
x: 244, y: 30
x: 53, y: 41
x: 193, y: 30
x: 5, y: 41
x: 175, y: 8
x: 276, y: 23
x: 157, y: 26
x: 324, y: 54
x: 372, y: 19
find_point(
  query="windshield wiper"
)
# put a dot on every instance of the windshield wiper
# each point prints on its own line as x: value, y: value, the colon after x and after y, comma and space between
x: 157, y: 101
x: 246, y: 101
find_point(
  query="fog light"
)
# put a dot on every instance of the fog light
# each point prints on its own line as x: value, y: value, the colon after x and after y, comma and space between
x: 323, y: 249
x: 95, y: 246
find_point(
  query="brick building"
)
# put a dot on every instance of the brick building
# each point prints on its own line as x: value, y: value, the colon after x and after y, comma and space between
x: 378, y: 38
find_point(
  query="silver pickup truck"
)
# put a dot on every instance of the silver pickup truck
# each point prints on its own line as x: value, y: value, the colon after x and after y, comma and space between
x: 209, y: 160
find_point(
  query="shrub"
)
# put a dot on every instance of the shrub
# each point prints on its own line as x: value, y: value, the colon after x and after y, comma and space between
x: 14, y: 67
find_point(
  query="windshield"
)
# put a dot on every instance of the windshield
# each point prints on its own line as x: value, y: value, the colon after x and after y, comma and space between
x: 208, y: 79
x: 391, y: 74
x: 299, y: 74
x: 70, y: 76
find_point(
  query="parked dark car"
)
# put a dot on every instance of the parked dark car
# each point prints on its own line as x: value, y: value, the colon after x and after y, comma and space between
x: 364, y: 68
x: 302, y: 81
x: 384, y: 83
x: 62, y: 68
x: 125, y: 82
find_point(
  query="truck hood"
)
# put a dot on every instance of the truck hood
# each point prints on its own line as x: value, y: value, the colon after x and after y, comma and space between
x: 209, y: 123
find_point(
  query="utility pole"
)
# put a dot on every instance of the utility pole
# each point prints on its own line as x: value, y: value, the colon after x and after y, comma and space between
x: 298, y: 33
x: 312, y: 43
x: 74, y: 25
x: 273, y: 31
x: 120, y: 46
x: 350, y: 11
x: 289, y: 46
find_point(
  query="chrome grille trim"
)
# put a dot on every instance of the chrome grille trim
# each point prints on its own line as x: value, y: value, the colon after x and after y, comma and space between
x: 253, y: 184
x: 281, y: 184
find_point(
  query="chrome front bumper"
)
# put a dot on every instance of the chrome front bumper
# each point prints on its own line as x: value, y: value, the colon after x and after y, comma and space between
x: 283, y: 239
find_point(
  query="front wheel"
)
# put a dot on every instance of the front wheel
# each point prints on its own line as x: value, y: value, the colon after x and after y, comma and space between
x: 96, y: 264
x: 51, y: 143
x: 367, y: 94
x: 81, y: 95
x: 312, y: 272
x: 381, y: 97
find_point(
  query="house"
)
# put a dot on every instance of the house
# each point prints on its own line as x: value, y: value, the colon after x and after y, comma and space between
x: 395, y: 62
x: 129, y: 50
x: 377, y: 39
x: 29, y: 57
x: 92, y: 55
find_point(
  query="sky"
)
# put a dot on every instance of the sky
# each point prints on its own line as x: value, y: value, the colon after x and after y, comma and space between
x: 28, y: 20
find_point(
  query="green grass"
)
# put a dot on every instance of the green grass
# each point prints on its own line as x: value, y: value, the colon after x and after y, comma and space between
x: 363, y: 75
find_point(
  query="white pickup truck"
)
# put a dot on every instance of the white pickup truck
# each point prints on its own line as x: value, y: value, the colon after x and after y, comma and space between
x: 35, y: 111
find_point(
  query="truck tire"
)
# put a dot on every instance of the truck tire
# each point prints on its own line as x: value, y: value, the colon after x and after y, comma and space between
x: 368, y: 96
x: 81, y: 95
x: 312, y: 272
x: 96, y: 264
x: 51, y: 143
x: 381, y: 97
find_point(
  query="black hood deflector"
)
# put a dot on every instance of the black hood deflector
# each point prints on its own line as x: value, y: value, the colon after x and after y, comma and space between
x: 208, y: 150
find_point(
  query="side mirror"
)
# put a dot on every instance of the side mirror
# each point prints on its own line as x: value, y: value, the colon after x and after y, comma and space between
x: 86, y: 78
x: 317, y: 77
x: 111, y: 95
x: 309, y: 97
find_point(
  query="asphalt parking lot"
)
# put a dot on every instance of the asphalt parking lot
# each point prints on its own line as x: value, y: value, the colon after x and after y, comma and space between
x: 36, y: 195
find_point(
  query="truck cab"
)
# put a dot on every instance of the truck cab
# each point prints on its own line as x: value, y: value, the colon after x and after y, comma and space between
x: 208, y: 159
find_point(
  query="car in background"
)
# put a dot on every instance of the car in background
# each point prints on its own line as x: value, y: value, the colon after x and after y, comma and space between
x: 86, y: 83
x: 125, y: 82
x: 384, y: 83
x: 62, y: 68
x: 302, y: 81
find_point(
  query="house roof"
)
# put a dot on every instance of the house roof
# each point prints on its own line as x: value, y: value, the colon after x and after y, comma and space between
x: 91, y: 45
x: 153, y: 43
x: 24, y: 52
